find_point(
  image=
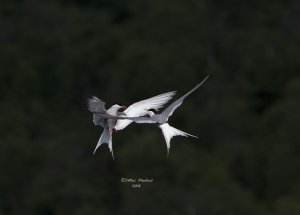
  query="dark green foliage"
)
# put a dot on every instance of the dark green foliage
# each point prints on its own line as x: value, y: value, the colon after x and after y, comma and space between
x: 56, y: 53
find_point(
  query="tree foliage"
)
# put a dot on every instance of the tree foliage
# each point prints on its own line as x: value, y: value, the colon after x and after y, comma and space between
x: 55, y: 54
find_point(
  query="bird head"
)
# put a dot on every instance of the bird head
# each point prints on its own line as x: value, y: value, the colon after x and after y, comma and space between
x: 119, y: 107
x: 150, y: 112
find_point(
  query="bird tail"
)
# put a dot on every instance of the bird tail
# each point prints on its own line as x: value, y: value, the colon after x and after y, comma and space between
x: 169, y: 132
x: 106, y: 137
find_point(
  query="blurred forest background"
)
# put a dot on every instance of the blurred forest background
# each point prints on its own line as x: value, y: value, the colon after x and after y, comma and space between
x: 56, y: 53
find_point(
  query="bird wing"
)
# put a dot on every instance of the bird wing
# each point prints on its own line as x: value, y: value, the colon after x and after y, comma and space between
x: 169, y: 110
x: 98, y: 120
x: 101, y: 118
x: 143, y: 120
x: 108, y: 116
x: 96, y: 105
x: 140, y: 108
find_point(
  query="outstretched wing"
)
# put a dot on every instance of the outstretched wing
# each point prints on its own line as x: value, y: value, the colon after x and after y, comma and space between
x: 101, y: 118
x: 96, y: 105
x: 169, y: 110
x: 107, y: 116
x: 142, y: 120
x: 141, y: 108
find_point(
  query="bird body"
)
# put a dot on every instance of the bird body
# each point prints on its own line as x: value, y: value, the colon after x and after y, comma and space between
x: 113, y: 120
x: 139, y: 112
x: 162, y: 119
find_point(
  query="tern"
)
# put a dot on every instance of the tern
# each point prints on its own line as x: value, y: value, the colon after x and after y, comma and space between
x: 162, y: 119
x: 113, y: 120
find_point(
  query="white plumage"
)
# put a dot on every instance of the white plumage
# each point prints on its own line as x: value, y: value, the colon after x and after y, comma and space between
x: 141, y: 108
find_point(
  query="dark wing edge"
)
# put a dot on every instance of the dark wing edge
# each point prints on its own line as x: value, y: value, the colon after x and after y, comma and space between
x: 170, y: 109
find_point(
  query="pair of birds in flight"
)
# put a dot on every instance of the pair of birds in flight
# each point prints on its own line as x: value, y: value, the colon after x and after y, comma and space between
x: 116, y: 118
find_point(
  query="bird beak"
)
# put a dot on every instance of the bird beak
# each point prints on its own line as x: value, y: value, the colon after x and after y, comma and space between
x: 125, y: 107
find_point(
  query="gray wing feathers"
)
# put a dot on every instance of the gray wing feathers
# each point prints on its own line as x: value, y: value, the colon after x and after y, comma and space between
x: 97, y: 120
x: 107, y: 116
x: 169, y: 110
x: 143, y: 120
x: 141, y: 108
x: 195, y: 88
x: 96, y: 105
x: 155, y: 102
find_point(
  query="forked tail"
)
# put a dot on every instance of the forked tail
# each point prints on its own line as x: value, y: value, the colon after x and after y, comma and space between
x: 106, y: 137
x: 169, y: 132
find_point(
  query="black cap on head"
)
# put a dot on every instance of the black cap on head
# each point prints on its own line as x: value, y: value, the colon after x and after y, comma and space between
x: 153, y: 110
x: 122, y: 108
x: 117, y: 103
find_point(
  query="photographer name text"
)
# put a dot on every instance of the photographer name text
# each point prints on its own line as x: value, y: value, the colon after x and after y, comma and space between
x: 137, y: 182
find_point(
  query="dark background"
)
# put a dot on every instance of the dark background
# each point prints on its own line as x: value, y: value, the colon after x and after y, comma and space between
x: 56, y: 53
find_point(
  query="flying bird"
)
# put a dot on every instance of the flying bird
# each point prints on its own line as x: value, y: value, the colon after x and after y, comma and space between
x: 162, y: 119
x: 114, y: 120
